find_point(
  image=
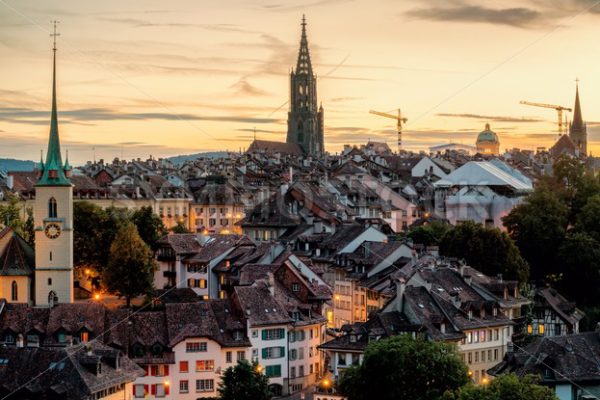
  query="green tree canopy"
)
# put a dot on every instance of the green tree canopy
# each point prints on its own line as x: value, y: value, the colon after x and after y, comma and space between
x: 506, y: 387
x: 10, y: 214
x: 538, y: 227
x: 405, y: 368
x: 149, y: 225
x: 29, y: 227
x: 489, y: 250
x: 244, y: 382
x: 429, y: 234
x: 579, y: 257
x: 180, y: 228
x: 130, y: 269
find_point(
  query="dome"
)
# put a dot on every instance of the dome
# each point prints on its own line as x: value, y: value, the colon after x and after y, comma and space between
x: 487, y: 135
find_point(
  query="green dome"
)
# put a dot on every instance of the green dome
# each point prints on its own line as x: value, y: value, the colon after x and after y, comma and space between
x: 487, y: 135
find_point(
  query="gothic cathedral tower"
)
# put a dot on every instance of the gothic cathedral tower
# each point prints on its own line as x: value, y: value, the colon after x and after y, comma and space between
x: 53, y: 219
x: 305, y: 122
x: 578, y: 128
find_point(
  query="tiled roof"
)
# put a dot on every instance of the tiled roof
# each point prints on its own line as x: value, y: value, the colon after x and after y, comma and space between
x: 259, y: 306
x: 17, y: 257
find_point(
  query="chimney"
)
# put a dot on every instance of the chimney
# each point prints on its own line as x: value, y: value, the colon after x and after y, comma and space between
x: 10, y: 181
x: 461, y: 269
x: 469, y: 280
x: 20, y: 342
x: 499, y: 276
x: 271, y: 284
x: 400, y: 289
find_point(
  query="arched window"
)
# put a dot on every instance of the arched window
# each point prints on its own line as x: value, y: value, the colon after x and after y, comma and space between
x: 52, y: 298
x: 14, y: 291
x: 52, y: 208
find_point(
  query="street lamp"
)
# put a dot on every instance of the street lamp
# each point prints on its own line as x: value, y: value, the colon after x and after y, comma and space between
x: 97, y: 296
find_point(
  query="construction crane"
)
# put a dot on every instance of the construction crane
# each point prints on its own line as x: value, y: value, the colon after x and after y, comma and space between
x: 559, y: 110
x: 399, y: 120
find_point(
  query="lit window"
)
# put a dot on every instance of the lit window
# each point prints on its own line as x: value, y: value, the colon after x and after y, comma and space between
x: 529, y: 329
x: 541, y: 329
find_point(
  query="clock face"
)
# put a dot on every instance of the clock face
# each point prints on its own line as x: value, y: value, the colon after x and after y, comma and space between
x: 52, y: 231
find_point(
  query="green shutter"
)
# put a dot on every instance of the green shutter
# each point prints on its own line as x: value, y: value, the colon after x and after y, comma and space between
x: 264, y: 334
x: 264, y: 353
x: 282, y: 351
x: 282, y: 333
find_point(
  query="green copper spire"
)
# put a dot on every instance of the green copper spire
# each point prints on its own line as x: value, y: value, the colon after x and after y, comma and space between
x: 53, y: 173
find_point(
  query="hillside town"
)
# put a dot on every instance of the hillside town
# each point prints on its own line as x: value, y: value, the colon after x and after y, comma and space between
x: 291, y: 258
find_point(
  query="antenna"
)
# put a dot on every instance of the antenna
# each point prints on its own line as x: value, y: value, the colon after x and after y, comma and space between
x: 54, y: 34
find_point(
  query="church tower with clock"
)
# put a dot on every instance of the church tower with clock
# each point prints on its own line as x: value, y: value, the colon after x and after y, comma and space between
x: 53, y: 218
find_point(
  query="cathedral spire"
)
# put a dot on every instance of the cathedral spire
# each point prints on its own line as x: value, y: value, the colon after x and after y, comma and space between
x: 53, y: 174
x: 304, y: 65
x: 577, y: 123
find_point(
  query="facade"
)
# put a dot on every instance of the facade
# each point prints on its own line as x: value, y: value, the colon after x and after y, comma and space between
x: 553, y: 315
x: 488, y: 142
x: 305, y: 121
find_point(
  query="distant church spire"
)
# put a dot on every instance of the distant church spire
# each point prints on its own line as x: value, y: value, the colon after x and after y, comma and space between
x: 53, y: 173
x: 578, y: 128
x: 305, y: 118
x: 304, y: 66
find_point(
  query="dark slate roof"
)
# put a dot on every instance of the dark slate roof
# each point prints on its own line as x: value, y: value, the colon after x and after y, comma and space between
x: 182, y: 243
x: 216, y: 246
x: 75, y: 317
x: 259, y: 306
x: 343, y: 235
x: 17, y: 257
x: 66, y: 373
x: 270, y: 213
x: 568, y: 359
x: 381, y: 325
x: 549, y: 297
x: 271, y: 147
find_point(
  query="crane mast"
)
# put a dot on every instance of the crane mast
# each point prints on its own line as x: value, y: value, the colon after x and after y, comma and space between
x: 562, y: 126
x: 399, y: 120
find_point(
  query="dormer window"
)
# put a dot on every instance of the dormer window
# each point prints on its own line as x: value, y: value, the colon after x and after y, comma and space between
x: 85, y: 336
x: 238, y: 336
x: 296, y: 315
x: 138, y: 350
x: 33, y: 340
x: 157, y: 349
x: 295, y: 287
x: 9, y: 338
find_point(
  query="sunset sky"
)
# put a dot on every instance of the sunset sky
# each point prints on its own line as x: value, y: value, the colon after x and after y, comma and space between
x: 161, y: 78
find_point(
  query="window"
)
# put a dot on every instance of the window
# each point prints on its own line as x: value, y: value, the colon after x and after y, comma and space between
x: 273, y: 371
x: 140, y: 391
x: 529, y: 329
x: 238, y: 335
x: 49, y: 281
x: 273, y: 334
x: 470, y: 358
x: 184, y: 387
x: 301, y: 370
x: 228, y: 357
x: 195, y: 347
x: 293, y: 354
x: 14, y: 291
x: 541, y: 329
x: 241, y: 355
x: 301, y: 353
x: 205, y: 365
x: 255, y: 333
x: 160, y: 390
x: 50, y: 256
x: 495, y: 354
x: 557, y: 328
x: 476, y: 356
x: 61, y: 337
x: 295, y: 287
x: 52, y: 208
x: 9, y: 338
x: 184, y: 366
x: 85, y: 336
x: 273, y: 352
x: 292, y: 372
x: 205, y: 385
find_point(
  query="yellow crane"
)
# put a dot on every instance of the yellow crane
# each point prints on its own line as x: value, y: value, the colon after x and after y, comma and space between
x: 562, y: 126
x: 399, y: 120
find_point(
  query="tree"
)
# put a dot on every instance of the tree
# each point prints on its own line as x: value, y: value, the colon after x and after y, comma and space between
x: 506, y: 387
x: 588, y: 219
x: 180, y: 228
x: 579, y: 258
x: 10, y: 214
x: 29, y: 228
x: 92, y: 235
x: 131, y: 265
x: 538, y: 227
x: 244, y: 382
x: 428, y: 234
x: 405, y: 368
x: 149, y: 225
x: 486, y: 249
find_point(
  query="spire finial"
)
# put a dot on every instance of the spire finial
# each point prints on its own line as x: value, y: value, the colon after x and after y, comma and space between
x: 303, y: 22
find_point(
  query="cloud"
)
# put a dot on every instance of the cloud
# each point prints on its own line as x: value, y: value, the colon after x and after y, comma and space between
x: 519, y: 17
x: 496, y: 118
x: 31, y: 116
x: 344, y: 99
x: 244, y: 88
x: 142, y: 23
x: 286, y: 6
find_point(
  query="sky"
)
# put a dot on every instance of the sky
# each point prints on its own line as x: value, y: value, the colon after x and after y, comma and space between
x: 139, y: 78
